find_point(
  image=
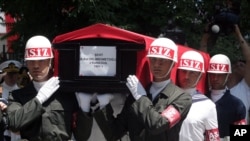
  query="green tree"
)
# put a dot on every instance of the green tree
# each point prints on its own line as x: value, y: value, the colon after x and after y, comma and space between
x: 54, y: 17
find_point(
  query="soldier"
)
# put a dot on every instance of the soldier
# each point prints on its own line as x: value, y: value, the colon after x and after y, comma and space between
x: 10, y: 79
x: 156, y: 115
x: 201, y: 122
x: 230, y: 109
x: 41, y: 111
x: 239, y: 80
x: 10, y: 70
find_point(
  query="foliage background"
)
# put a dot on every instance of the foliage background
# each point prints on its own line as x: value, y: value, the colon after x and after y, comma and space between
x: 149, y: 17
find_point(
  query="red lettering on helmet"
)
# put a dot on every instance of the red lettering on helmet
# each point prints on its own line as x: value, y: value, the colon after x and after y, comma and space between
x: 191, y: 64
x: 38, y: 52
x: 219, y: 67
x: 164, y: 51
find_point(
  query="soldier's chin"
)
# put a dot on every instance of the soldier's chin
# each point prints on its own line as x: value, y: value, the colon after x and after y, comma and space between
x: 160, y: 76
x: 39, y: 78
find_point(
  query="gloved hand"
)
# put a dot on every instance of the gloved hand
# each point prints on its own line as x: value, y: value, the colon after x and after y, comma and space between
x: 104, y: 99
x: 94, y: 103
x: 135, y: 87
x: 84, y: 100
x: 48, y: 89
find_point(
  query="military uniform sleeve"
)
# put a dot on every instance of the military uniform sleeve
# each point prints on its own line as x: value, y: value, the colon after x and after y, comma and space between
x: 168, y: 112
x: 21, y: 115
x: 241, y: 114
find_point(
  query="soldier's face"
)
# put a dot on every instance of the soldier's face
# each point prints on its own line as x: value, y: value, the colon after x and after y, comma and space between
x: 187, y: 79
x: 11, y: 78
x: 160, y: 68
x: 39, y: 69
x: 217, y: 81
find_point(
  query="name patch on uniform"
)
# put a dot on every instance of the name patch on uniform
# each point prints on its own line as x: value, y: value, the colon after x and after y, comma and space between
x: 219, y: 67
x: 172, y: 115
x: 191, y: 64
x: 162, y: 51
x: 38, y: 52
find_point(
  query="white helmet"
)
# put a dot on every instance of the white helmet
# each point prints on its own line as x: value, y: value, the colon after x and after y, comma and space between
x: 192, y: 60
x: 163, y: 48
x: 219, y: 63
x: 38, y: 48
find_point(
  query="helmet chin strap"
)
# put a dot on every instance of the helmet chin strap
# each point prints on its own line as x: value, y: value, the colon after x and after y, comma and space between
x: 223, y: 83
x: 226, y: 80
x: 195, y: 84
x: 49, y: 67
x: 167, y: 71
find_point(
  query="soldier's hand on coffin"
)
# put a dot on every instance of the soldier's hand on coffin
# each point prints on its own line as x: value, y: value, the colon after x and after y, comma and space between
x: 104, y: 99
x: 48, y: 89
x: 84, y: 100
x: 94, y: 103
x: 135, y: 87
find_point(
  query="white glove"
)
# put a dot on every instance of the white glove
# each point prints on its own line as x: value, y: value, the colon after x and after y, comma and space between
x: 104, y: 99
x: 94, y: 103
x: 135, y: 87
x: 84, y: 100
x: 48, y: 89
